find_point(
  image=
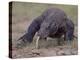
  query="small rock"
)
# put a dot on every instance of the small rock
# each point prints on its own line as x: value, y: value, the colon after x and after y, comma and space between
x: 19, y: 56
x: 37, y: 52
x: 52, y: 53
x: 56, y: 49
x: 67, y: 52
x: 60, y: 52
x: 74, y: 52
x: 29, y: 53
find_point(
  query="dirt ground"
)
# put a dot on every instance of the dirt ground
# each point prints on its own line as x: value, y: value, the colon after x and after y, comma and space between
x: 22, y: 15
x: 46, y: 49
x: 28, y: 52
